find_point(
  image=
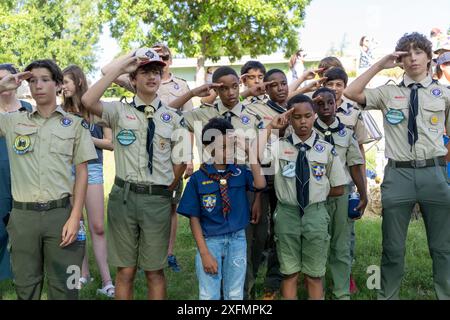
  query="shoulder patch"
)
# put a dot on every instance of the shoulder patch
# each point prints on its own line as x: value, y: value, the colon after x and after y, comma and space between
x: 183, y: 123
x: 84, y: 124
x: 333, y: 151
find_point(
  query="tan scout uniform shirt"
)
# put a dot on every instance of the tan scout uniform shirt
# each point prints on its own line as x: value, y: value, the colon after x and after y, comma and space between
x: 129, y: 127
x: 325, y: 169
x: 172, y: 89
x: 345, y: 145
x: 265, y: 111
x: 42, y: 151
x: 252, y: 99
x: 433, y: 117
x: 352, y: 118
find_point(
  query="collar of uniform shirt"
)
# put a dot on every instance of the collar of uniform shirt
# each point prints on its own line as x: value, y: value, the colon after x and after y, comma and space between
x: 309, y: 141
x: 425, y: 82
x: 230, y: 167
x: 325, y: 126
x: 58, y: 109
x: 155, y: 103
x: 168, y: 80
x: 237, y: 109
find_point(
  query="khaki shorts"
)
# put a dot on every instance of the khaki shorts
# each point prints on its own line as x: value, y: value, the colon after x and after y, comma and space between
x: 302, y: 243
x: 138, y: 230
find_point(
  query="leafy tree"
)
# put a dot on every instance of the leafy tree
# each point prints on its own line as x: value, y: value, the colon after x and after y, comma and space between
x: 208, y: 28
x: 64, y: 30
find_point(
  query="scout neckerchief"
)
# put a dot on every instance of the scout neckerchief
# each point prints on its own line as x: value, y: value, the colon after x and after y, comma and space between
x: 413, y: 111
x: 328, y: 132
x: 223, y: 183
x: 274, y: 106
x: 149, y: 111
x: 302, y: 173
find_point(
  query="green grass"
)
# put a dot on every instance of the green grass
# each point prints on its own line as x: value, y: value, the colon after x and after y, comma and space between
x: 417, y: 283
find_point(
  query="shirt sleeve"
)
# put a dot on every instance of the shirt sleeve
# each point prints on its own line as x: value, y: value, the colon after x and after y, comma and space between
x: 84, y: 147
x: 189, y: 205
x: 354, y: 156
x: 335, y: 172
x: 181, y: 142
x: 3, y: 124
x: 271, y: 150
x: 189, y: 118
x: 361, y: 132
x: 110, y: 112
x: 447, y: 112
x: 375, y: 98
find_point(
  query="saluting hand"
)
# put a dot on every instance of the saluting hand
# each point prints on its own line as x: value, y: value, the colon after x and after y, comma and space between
x: 311, y: 73
x: 204, y: 90
x: 70, y: 231
x: 281, y: 121
x: 13, y: 81
x: 130, y: 64
x: 314, y: 85
x: 392, y: 60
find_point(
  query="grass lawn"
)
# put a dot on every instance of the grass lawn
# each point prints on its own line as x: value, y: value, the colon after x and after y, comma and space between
x: 417, y: 283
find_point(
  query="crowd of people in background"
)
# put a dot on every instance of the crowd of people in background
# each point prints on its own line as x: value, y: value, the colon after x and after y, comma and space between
x: 281, y: 166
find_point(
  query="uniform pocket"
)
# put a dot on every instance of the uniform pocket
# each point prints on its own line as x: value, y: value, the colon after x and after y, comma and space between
x: 25, y: 139
x: 62, y: 142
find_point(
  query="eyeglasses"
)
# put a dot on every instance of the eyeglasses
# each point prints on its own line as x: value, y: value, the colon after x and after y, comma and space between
x: 166, y: 57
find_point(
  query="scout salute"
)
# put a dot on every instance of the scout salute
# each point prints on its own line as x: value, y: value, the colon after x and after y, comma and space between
x: 147, y: 172
x: 215, y: 200
x: 308, y: 170
x: 416, y: 112
x: 332, y: 130
x: 43, y: 227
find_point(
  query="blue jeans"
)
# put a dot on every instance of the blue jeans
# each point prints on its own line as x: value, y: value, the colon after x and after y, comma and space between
x: 230, y: 252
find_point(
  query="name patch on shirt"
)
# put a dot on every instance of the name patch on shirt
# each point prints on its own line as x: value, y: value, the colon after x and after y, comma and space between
x: 209, y: 202
x: 207, y: 182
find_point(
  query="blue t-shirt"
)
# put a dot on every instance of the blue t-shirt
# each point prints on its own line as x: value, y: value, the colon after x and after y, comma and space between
x: 201, y: 198
x: 96, y: 132
x: 446, y: 141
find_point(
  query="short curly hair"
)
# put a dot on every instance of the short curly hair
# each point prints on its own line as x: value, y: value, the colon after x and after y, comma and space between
x: 415, y: 40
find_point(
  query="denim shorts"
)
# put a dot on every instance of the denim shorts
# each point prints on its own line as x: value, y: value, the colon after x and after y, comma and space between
x: 230, y: 252
x: 95, y: 173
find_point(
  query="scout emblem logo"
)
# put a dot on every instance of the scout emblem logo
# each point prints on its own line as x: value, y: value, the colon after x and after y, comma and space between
x: 434, y: 120
x: 238, y: 172
x: 84, y: 124
x: 126, y: 137
x: 289, y: 170
x: 319, y: 147
x: 166, y: 117
x: 65, y: 122
x: 394, y: 116
x: 209, y: 202
x: 245, y: 120
x: 176, y: 86
x: 436, y: 92
x: 22, y: 144
x: 318, y: 171
x: 342, y: 133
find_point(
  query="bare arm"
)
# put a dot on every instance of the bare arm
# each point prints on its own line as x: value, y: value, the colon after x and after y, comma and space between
x: 336, y: 191
x: 106, y: 142
x: 208, y: 261
x: 202, y: 91
x: 360, y: 182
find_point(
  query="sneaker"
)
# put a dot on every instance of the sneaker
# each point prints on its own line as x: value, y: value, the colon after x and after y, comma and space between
x: 353, y: 287
x: 269, y: 295
x: 173, y: 264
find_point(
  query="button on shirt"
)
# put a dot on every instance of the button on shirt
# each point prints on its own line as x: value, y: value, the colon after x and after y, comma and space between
x: 326, y: 170
x: 433, y: 118
x: 201, y: 199
x: 129, y: 127
x: 42, y: 152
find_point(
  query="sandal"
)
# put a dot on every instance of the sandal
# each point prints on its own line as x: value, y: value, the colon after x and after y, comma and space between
x: 82, y: 282
x: 108, y: 291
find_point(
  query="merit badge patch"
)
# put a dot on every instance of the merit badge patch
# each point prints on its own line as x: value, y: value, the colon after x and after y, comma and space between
x: 436, y: 92
x: 288, y: 170
x: 22, y: 144
x: 245, y: 120
x: 66, y: 122
x: 394, y: 116
x: 318, y: 171
x: 342, y: 133
x: 319, y: 147
x: 84, y: 124
x: 434, y: 120
x: 238, y: 172
x: 126, y: 137
x: 209, y: 202
x: 166, y: 117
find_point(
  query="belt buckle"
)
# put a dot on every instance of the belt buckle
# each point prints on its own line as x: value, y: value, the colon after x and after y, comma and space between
x: 42, y: 206
x: 418, y: 163
x: 140, y: 188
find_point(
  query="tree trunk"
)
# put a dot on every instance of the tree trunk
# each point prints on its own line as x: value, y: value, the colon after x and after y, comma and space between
x: 200, y: 72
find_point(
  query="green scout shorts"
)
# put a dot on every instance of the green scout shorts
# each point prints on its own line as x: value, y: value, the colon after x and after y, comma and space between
x: 138, y: 229
x: 302, y: 242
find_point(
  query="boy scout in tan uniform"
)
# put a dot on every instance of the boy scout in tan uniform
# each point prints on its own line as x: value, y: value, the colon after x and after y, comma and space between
x: 42, y: 149
x: 415, y: 115
x: 351, y: 117
x: 147, y: 172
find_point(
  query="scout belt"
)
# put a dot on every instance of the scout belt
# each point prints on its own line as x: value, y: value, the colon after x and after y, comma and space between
x: 41, y: 206
x: 439, y: 161
x: 153, y: 189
